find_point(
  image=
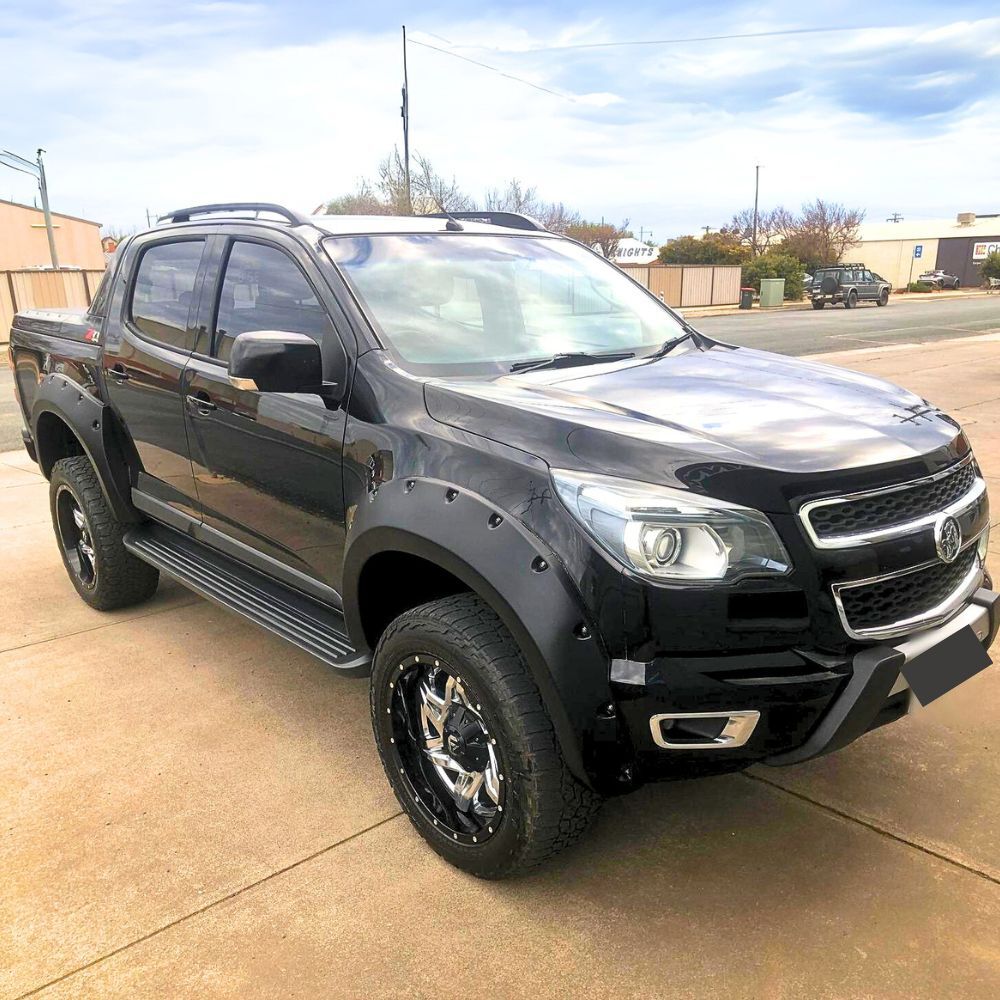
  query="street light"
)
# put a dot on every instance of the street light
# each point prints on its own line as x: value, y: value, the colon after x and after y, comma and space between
x: 36, y: 170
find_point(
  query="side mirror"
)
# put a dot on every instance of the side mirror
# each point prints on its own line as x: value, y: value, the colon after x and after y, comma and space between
x: 275, y: 361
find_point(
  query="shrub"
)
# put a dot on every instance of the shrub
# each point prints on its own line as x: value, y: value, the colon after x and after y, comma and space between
x: 775, y: 265
x: 920, y: 286
x: 990, y: 267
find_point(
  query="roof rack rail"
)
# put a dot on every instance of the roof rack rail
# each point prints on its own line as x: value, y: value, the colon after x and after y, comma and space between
x: 509, y: 220
x: 184, y: 214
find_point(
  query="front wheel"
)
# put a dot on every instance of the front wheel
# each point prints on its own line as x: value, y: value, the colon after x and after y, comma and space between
x: 467, y: 744
x: 883, y: 297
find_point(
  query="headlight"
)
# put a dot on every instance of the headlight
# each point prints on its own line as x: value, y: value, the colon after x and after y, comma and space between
x: 670, y: 534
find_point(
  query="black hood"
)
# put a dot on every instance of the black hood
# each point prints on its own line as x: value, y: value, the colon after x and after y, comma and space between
x: 704, y: 412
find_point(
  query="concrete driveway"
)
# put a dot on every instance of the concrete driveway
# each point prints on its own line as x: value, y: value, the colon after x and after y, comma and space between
x: 190, y: 808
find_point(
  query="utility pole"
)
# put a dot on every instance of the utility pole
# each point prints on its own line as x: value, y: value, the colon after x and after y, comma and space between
x: 405, y: 112
x: 641, y: 231
x: 36, y: 170
x: 707, y: 229
x: 895, y: 217
x: 756, y: 198
x: 43, y: 187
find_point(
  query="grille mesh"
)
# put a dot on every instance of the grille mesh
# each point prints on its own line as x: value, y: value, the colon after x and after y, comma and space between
x: 878, y: 605
x: 885, y: 510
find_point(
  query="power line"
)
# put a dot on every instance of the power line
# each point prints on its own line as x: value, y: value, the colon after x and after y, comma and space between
x: 663, y: 41
x: 492, y: 69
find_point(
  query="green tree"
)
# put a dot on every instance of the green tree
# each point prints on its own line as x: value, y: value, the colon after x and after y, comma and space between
x: 713, y: 248
x: 775, y: 265
x: 990, y: 267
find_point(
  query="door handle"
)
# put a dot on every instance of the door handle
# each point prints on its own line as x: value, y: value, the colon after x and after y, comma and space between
x: 119, y: 374
x: 200, y: 404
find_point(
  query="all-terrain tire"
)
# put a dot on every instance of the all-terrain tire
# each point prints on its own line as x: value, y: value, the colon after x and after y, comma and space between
x: 545, y: 808
x: 883, y: 297
x: 851, y: 301
x: 110, y: 577
x: 818, y: 303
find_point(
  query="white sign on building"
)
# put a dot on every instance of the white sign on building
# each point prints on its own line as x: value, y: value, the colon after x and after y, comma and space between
x: 631, y: 251
x: 980, y: 251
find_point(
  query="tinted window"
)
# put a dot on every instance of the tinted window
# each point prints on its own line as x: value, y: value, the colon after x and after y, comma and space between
x: 264, y: 289
x: 162, y: 292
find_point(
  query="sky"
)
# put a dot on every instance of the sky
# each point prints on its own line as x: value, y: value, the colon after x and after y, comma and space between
x: 151, y: 105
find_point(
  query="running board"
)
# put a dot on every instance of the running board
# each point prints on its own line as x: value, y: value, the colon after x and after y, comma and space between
x: 290, y: 614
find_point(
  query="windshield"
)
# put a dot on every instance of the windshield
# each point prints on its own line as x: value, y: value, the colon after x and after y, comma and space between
x: 464, y: 303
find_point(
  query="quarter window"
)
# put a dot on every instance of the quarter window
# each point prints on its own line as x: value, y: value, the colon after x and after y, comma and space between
x: 264, y: 289
x: 162, y: 292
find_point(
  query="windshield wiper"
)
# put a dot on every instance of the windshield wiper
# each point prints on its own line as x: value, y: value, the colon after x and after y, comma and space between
x: 690, y: 333
x: 570, y: 359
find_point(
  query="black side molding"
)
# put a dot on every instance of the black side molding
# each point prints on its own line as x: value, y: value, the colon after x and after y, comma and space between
x: 290, y: 614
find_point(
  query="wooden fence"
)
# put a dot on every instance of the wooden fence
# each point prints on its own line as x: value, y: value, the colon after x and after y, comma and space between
x: 38, y: 289
x: 685, y: 285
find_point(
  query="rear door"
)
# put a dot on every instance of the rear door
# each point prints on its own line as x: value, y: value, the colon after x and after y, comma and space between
x: 148, y: 339
x: 268, y: 466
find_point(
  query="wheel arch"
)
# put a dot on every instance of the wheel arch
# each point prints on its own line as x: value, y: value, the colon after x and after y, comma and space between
x: 456, y: 532
x: 68, y: 420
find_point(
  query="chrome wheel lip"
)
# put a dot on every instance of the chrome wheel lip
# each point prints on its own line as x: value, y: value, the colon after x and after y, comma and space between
x: 75, y: 537
x: 433, y: 780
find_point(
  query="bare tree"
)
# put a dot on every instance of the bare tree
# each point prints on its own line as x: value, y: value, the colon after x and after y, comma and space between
x: 824, y: 232
x: 433, y: 193
x: 515, y: 197
x: 772, y: 227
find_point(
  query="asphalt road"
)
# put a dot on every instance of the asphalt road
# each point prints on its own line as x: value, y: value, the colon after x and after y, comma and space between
x: 796, y: 332
x: 808, y: 331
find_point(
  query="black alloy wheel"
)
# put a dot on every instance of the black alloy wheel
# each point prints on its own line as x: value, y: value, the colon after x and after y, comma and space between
x: 75, y: 538
x: 444, y: 751
x: 467, y: 744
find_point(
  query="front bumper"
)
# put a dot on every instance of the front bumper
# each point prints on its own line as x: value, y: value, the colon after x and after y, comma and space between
x: 688, y: 716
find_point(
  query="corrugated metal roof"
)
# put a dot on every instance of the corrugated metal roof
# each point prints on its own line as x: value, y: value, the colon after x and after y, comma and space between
x: 928, y: 229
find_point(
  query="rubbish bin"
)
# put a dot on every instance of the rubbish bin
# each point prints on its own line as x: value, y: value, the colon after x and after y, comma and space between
x: 772, y: 292
x: 746, y: 298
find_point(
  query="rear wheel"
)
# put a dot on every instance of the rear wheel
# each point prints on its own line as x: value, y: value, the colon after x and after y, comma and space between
x: 851, y: 301
x: 466, y: 742
x: 883, y: 297
x: 818, y: 303
x: 105, y: 574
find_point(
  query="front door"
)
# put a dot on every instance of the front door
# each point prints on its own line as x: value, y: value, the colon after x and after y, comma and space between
x: 268, y: 466
x: 148, y: 338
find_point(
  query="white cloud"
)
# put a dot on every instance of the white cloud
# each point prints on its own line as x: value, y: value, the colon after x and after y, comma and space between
x: 159, y: 106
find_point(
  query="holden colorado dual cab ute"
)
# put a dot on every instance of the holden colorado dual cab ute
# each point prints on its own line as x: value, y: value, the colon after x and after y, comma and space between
x: 575, y: 544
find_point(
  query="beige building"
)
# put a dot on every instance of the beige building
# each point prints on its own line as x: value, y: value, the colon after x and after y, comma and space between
x: 23, y: 241
x: 956, y: 245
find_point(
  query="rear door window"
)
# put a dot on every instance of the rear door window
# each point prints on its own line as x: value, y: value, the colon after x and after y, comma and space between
x: 162, y: 292
x: 264, y: 289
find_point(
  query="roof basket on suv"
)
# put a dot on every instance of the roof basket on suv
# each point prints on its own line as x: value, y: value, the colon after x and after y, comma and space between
x: 509, y: 220
x: 232, y: 207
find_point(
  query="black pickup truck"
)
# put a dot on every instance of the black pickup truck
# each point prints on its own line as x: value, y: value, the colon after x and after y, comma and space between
x: 575, y: 544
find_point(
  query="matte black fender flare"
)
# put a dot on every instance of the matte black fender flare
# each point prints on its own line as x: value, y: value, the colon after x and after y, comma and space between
x: 509, y: 568
x: 92, y: 421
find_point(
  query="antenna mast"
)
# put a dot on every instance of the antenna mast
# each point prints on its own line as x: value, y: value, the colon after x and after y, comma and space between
x: 405, y: 113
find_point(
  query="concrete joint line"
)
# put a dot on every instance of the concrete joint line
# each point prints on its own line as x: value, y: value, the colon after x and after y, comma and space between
x: 95, y: 628
x: 209, y: 906
x: 868, y: 825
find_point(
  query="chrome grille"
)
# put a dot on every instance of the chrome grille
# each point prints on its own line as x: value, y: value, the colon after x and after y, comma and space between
x: 917, y: 598
x: 884, y: 510
x: 857, y: 518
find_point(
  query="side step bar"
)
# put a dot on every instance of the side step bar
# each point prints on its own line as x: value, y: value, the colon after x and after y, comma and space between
x: 314, y: 627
